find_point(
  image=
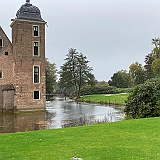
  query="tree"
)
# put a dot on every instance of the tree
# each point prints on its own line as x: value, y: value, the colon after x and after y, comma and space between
x: 92, y: 81
x: 148, y: 66
x: 101, y: 83
x: 156, y: 67
x: 144, y: 100
x: 50, y: 76
x: 156, y: 49
x: 137, y: 73
x: 120, y: 79
x: 75, y: 72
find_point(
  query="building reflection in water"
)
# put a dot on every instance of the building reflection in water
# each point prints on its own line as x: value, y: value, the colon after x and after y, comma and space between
x: 22, y: 122
x: 60, y: 113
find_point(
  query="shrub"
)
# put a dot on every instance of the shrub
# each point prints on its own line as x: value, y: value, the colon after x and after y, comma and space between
x: 124, y: 90
x: 105, y: 89
x: 144, y: 100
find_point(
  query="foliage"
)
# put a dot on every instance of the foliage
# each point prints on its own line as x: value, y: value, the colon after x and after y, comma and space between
x: 101, y: 83
x: 144, y: 100
x: 137, y: 73
x: 123, y: 90
x: 75, y: 72
x: 156, y: 49
x: 148, y: 66
x: 120, y: 79
x: 152, y: 60
x: 156, y: 67
x: 102, y: 89
x: 125, y: 140
x: 50, y: 76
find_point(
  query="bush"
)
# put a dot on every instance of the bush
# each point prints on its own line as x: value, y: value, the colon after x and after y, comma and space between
x: 105, y: 89
x: 124, y: 90
x: 144, y: 100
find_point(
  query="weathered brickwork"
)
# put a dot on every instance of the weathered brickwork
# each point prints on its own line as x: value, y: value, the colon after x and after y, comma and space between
x: 8, y: 99
x: 17, y: 61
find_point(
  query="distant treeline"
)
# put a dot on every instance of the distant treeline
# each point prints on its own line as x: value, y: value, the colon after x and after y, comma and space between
x: 88, y: 90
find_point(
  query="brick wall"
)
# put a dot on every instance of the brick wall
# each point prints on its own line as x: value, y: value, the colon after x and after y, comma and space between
x: 8, y: 99
x: 22, y: 41
x: 17, y: 66
x: 6, y: 66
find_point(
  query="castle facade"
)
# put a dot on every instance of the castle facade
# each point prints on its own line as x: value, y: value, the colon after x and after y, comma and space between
x: 22, y: 62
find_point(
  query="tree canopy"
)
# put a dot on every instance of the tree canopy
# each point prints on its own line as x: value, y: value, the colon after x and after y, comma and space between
x: 137, y: 73
x: 50, y: 76
x: 75, y: 72
x: 152, y: 60
x: 120, y: 79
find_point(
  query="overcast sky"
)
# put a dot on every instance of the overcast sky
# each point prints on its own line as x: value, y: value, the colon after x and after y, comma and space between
x: 112, y: 33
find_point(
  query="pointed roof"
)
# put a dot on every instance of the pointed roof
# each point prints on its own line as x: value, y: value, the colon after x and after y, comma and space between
x: 5, y: 34
x: 5, y: 38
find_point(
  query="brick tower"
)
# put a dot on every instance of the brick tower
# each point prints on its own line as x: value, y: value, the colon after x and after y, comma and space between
x: 28, y: 62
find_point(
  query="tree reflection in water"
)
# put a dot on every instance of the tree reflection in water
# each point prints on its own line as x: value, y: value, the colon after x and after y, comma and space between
x: 59, y: 113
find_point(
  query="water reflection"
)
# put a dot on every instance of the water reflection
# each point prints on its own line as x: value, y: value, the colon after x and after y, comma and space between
x: 22, y: 122
x: 67, y: 113
x: 60, y: 113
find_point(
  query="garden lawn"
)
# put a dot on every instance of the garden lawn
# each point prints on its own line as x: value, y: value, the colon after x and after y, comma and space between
x: 124, y: 140
x: 106, y: 98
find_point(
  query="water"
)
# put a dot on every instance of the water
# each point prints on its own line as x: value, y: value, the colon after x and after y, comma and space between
x: 60, y: 113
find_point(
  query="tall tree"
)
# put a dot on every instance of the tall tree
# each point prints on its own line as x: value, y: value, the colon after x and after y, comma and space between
x: 156, y: 49
x: 50, y: 76
x: 137, y: 73
x: 120, y: 79
x: 156, y: 67
x: 148, y: 66
x: 75, y: 72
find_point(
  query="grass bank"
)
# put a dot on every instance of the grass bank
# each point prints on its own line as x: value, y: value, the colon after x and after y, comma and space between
x: 124, y: 140
x: 106, y: 98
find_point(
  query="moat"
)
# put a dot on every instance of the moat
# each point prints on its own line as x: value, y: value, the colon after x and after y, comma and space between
x: 60, y: 113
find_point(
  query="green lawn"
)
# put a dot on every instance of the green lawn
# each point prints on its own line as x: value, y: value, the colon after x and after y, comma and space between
x: 106, y: 98
x: 124, y: 140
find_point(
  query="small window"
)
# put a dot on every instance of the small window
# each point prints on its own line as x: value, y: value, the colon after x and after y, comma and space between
x: 35, y: 29
x: 6, y: 53
x: 36, y: 74
x: 35, y: 48
x: 0, y: 74
x: 1, y: 43
x: 36, y: 95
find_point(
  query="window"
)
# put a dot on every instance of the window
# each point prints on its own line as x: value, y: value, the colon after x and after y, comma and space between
x: 1, y: 43
x: 35, y: 49
x: 36, y: 74
x: 35, y: 31
x: 6, y: 53
x: 36, y: 95
x: 0, y: 74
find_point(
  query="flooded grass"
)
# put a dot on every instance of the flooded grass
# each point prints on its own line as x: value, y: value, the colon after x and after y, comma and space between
x: 124, y: 140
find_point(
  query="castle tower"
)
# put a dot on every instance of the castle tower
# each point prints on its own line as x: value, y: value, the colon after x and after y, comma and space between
x: 28, y: 49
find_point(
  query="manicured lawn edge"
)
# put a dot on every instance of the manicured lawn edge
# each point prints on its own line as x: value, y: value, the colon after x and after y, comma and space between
x: 127, y: 139
x: 110, y: 99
